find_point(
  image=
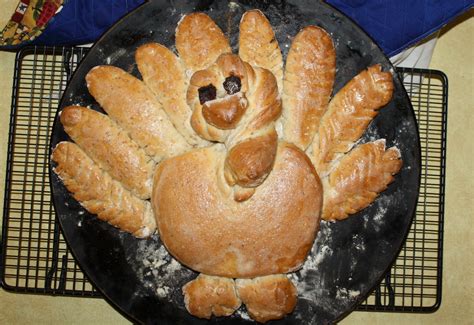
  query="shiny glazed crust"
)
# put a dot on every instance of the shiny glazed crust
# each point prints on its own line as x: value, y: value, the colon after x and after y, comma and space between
x: 130, y: 103
x: 204, y: 228
x: 99, y: 194
x: 309, y: 77
x: 110, y: 147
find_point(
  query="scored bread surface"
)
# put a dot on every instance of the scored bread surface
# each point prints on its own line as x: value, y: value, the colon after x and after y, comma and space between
x: 110, y: 147
x: 99, y: 194
x: 129, y: 102
x: 309, y: 77
x: 349, y: 113
x: 358, y: 178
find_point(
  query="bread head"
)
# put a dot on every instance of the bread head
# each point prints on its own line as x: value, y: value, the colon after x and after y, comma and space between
x: 205, y: 229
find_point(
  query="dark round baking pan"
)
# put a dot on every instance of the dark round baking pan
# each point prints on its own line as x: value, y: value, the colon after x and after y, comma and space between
x: 348, y: 258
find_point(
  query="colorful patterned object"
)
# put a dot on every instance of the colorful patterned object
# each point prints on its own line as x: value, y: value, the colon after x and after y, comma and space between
x: 29, y: 20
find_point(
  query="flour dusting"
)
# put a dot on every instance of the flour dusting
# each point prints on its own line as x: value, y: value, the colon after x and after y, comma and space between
x: 160, y: 272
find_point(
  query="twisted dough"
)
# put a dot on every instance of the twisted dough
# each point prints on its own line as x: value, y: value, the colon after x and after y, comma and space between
x: 240, y: 108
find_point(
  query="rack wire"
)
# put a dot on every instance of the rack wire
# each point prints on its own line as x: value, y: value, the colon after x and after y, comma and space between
x: 34, y: 256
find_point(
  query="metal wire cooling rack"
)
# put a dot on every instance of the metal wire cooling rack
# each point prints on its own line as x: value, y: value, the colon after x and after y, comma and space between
x: 35, y: 259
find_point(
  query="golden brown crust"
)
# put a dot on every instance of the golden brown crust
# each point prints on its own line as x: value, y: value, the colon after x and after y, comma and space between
x: 99, y: 194
x: 250, y: 138
x: 110, y: 147
x: 307, y: 86
x: 210, y: 295
x: 358, y: 178
x: 267, y: 298
x: 164, y: 75
x: 258, y: 45
x: 205, y: 229
x: 348, y: 115
x: 129, y: 102
x: 225, y: 114
x: 249, y: 162
x: 200, y: 41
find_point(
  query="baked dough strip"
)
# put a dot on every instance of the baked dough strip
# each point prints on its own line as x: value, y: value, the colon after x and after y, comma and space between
x: 358, y: 178
x: 111, y: 148
x: 99, y: 194
x: 349, y: 113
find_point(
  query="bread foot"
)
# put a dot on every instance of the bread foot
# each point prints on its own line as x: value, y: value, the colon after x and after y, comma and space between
x: 211, y: 295
x: 267, y: 297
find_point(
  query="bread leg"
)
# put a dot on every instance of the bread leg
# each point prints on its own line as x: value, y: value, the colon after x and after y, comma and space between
x: 99, y: 194
x: 267, y: 297
x: 211, y: 295
x: 358, y: 178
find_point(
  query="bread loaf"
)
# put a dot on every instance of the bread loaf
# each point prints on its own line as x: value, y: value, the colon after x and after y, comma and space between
x: 210, y: 295
x: 267, y: 298
x: 205, y: 229
x: 241, y: 112
x: 259, y: 46
x: 199, y: 42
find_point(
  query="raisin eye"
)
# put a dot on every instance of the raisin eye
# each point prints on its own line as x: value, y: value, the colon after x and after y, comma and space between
x: 207, y: 93
x: 232, y: 85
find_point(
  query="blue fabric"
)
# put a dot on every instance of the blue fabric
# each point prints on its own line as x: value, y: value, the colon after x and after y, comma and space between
x: 397, y: 24
x: 84, y: 21
x: 393, y: 24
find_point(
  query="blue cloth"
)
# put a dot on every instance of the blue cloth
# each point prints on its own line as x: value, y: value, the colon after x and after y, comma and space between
x: 397, y: 24
x: 393, y: 24
x: 84, y: 21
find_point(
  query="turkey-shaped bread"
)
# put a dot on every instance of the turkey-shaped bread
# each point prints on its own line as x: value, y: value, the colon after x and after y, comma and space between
x: 237, y: 156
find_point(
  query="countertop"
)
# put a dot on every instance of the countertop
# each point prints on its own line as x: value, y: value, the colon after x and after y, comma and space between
x: 454, y: 55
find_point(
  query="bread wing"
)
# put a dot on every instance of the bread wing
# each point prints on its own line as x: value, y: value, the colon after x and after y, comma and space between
x: 348, y: 115
x: 99, y: 194
x: 307, y: 86
x: 358, y: 178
